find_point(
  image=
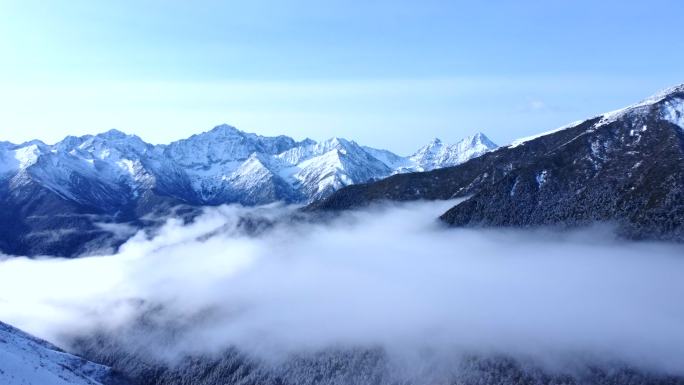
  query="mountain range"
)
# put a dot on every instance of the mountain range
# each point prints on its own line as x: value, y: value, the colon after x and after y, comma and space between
x: 54, y: 197
x: 223, y: 165
x: 625, y: 168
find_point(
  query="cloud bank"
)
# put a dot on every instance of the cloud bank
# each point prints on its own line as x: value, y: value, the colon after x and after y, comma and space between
x: 391, y: 276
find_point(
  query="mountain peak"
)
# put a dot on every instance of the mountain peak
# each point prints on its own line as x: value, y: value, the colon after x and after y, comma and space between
x: 215, y: 164
x: 481, y: 139
x: 104, y: 142
x: 478, y: 136
x: 436, y: 154
x: 661, y: 99
x: 337, y: 143
x: 224, y: 129
x: 113, y: 134
x: 307, y: 142
x: 658, y: 97
x: 336, y: 140
x: 677, y: 89
x: 432, y: 145
x: 34, y: 142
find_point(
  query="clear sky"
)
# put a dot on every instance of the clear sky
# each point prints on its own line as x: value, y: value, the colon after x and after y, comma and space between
x: 392, y: 74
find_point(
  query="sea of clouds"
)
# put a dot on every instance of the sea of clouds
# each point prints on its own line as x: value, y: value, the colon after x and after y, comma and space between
x: 390, y: 276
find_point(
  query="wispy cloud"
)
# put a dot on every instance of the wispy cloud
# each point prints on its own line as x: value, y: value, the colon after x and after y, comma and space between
x: 537, y: 105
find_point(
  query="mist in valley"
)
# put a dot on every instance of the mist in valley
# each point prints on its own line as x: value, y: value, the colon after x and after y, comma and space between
x: 390, y: 277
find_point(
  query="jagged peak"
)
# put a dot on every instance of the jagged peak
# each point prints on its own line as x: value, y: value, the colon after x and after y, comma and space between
x: 119, y: 139
x: 70, y: 142
x: 335, y: 140
x: 256, y: 157
x: 229, y: 133
x: 337, y: 143
x: 480, y: 138
x: 72, y: 138
x: 307, y: 142
x: 437, y: 154
x: 208, y: 159
x: 431, y: 145
x: 254, y: 164
x: 34, y: 142
x: 217, y: 132
x: 225, y: 129
x: 113, y: 134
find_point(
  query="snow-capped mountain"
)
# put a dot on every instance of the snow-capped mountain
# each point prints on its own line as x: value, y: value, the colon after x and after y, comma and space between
x: 329, y: 166
x: 224, y: 165
x: 624, y: 167
x: 438, y: 155
x: 53, y: 198
x: 26, y: 360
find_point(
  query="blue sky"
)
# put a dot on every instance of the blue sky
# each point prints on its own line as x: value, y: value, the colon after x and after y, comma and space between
x: 392, y: 74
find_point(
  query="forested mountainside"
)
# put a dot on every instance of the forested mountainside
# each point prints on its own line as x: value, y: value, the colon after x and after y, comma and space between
x: 624, y: 167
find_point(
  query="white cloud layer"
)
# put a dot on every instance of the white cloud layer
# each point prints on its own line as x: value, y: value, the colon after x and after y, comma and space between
x: 391, y: 277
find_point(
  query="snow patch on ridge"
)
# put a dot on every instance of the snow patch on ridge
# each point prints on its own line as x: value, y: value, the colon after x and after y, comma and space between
x: 526, y: 139
x: 643, y: 106
x: 437, y: 154
x: 673, y: 112
x: 669, y: 101
x: 27, y: 360
x: 541, y: 178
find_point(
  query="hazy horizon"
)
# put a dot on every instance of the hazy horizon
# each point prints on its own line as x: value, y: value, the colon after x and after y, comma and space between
x: 387, y: 74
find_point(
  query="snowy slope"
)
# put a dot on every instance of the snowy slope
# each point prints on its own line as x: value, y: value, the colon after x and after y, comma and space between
x: 625, y: 168
x: 26, y: 360
x: 340, y: 164
x: 668, y: 105
x: 438, y: 155
x: 113, y: 170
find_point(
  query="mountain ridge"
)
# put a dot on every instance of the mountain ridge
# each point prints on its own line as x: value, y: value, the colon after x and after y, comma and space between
x: 624, y: 167
x: 53, y: 197
x: 25, y: 359
x: 208, y: 160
